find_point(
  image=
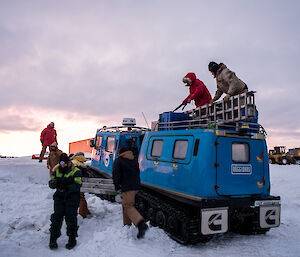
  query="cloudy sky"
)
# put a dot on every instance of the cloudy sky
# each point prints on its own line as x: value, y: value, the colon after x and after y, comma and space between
x: 85, y: 64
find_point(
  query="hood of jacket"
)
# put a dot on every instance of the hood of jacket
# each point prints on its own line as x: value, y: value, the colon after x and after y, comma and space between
x: 127, y: 155
x: 191, y: 76
x: 79, y: 158
x: 78, y: 163
x: 222, y: 66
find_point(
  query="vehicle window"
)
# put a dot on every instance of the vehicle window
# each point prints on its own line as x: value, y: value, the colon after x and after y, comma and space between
x: 180, y: 149
x: 110, y: 144
x: 240, y: 152
x: 98, y: 142
x: 157, y: 146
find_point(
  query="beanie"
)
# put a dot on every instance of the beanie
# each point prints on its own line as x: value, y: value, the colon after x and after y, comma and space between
x: 79, y: 153
x: 213, y: 67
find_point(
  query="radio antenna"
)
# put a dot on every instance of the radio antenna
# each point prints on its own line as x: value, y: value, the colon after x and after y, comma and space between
x: 145, y: 120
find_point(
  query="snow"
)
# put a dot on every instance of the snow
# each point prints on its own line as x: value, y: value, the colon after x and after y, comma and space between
x: 26, y: 205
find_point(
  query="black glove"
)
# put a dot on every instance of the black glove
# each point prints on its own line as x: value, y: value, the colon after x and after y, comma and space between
x: 84, y: 171
x: 69, y: 181
x: 61, y: 184
x: 53, y: 183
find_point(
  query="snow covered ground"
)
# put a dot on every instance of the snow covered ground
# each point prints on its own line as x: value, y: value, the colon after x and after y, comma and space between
x: 26, y: 205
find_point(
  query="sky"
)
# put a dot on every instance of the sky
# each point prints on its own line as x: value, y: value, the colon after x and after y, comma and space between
x: 85, y: 64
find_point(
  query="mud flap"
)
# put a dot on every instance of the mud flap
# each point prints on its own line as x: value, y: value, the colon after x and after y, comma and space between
x: 269, y: 216
x: 214, y: 221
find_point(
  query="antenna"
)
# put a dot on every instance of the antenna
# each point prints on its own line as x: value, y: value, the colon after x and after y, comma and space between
x: 145, y: 120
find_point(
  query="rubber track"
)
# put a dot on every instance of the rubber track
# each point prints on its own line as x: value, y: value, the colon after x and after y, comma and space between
x: 190, y: 224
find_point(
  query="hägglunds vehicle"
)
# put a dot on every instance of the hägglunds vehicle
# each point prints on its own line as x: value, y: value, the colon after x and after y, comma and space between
x: 203, y: 172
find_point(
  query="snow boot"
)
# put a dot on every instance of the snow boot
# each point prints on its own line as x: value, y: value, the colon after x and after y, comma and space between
x: 142, y: 227
x: 53, y: 243
x: 71, y: 243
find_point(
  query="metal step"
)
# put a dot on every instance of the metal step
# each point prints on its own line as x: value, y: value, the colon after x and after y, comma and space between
x: 98, y: 186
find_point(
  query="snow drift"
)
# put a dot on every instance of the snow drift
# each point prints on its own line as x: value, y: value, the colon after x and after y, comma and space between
x: 26, y: 205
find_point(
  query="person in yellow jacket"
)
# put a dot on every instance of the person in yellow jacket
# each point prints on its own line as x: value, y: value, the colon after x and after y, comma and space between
x: 79, y: 161
x: 66, y: 179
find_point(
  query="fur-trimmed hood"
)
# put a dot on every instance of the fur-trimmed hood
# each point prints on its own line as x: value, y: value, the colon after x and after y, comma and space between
x: 127, y: 155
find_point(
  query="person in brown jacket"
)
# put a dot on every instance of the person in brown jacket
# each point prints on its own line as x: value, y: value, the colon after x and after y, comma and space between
x: 227, y: 82
x: 53, y: 157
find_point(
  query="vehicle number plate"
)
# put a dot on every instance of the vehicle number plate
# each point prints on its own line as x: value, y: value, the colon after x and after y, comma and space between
x: 244, y: 169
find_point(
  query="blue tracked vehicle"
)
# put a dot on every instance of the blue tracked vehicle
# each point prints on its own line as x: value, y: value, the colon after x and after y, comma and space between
x: 203, y: 172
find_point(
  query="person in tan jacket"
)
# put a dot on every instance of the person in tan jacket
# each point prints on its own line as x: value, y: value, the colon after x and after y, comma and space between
x: 53, y: 158
x: 227, y: 82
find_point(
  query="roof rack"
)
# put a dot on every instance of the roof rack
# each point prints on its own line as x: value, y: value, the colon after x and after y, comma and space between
x: 238, y: 115
x: 122, y: 129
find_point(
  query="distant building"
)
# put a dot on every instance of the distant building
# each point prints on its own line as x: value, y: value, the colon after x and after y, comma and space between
x: 80, y: 146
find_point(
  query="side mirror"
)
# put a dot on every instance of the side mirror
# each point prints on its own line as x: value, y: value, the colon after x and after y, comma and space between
x: 92, y: 143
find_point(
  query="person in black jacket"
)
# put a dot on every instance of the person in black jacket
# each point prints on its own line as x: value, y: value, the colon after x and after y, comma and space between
x: 126, y: 176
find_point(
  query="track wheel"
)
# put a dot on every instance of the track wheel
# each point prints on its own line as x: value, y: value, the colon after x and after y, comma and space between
x: 141, y: 207
x: 160, y: 219
x: 284, y: 161
x: 151, y: 216
x: 184, y: 232
x: 172, y: 224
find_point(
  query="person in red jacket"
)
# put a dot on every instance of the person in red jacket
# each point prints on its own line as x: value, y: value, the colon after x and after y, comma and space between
x: 198, y: 91
x: 48, y: 136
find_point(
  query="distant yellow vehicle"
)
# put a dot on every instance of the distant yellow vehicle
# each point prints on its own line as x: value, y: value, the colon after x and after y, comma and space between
x: 278, y: 155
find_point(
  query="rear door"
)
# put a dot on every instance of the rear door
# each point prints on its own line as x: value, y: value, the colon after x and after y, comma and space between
x: 239, y: 166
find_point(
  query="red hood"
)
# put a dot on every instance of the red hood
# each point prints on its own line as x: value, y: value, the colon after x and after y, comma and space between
x: 191, y: 76
x: 49, y: 127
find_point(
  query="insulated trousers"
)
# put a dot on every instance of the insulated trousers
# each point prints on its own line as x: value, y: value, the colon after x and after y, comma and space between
x: 130, y: 213
x: 65, y: 206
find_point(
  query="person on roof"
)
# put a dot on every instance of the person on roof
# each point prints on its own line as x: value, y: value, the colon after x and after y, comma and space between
x: 48, y: 136
x: 126, y: 176
x: 227, y: 81
x: 198, y: 91
x: 78, y: 159
x: 66, y: 179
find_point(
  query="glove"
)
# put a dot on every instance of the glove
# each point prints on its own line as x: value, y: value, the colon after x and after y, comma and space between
x: 53, y: 183
x: 226, y: 98
x: 186, y: 101
x: 69, y: 181
x: 61, y: 184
